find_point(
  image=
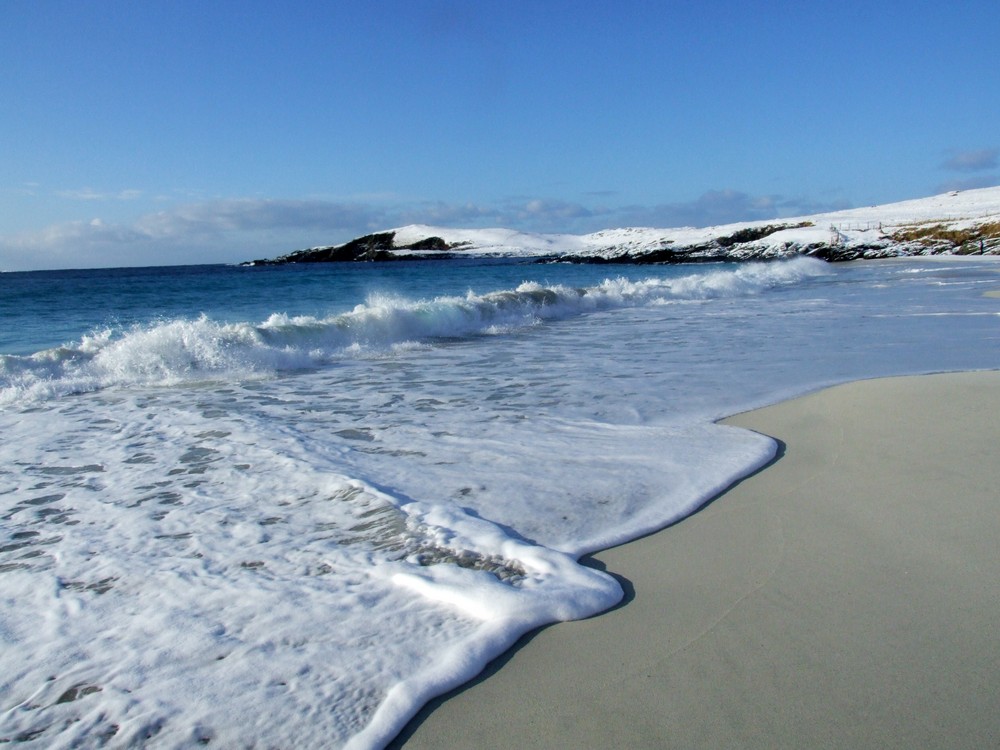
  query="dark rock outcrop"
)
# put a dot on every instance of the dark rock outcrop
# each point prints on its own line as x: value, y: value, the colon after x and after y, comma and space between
x: 744, y: 244
x: 371, y: 247
x: 752, y: 234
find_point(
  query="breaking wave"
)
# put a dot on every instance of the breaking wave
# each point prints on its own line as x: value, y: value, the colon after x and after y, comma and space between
x: 201, y: 349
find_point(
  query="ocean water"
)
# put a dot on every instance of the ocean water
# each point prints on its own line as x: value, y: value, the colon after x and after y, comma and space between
x: 284, y: 507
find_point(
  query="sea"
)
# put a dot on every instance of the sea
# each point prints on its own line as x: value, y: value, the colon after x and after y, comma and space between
x: 285, y: 506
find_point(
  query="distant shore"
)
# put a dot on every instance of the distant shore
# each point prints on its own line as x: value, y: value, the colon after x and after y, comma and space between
x: 848, y: 595
x: 954, y: 224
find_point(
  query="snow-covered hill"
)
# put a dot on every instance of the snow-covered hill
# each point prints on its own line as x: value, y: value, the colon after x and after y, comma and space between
x: 964, y: 222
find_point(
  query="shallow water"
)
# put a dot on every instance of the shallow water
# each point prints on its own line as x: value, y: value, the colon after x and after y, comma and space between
x: 289, y: 505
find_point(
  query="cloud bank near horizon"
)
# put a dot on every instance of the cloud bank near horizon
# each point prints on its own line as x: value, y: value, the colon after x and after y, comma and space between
x: 974, y: 163
x: 234, y: 230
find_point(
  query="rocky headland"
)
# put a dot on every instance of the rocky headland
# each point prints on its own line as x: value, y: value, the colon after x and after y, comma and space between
x: 955, y: 223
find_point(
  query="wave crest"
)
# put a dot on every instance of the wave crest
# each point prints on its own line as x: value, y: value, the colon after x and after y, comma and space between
x: 191, y: 350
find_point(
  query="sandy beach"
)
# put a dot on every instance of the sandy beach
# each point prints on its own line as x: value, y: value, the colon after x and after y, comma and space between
x: 847, y: 595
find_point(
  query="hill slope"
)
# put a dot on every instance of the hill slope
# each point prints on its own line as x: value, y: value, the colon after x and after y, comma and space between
x: 966, y: 222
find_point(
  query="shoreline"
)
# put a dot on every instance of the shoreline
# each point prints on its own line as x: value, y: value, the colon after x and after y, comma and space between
x: 848, y: 594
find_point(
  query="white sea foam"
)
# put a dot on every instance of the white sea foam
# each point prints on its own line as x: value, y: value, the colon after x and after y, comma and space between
x: 232, y: 562
x: 305, y: 560
x: 183, y: 351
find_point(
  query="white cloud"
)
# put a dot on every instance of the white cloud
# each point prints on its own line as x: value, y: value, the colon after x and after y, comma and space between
x: 29, y: 189
x: 89, y: 194
x: 233, y: 230
x: 970, y: 183
x: 717, y: 207
x: 219, y: 231
x: 527, y: 214
x: 83, y: 194
x: 214, y: 218
x: 972, y: 161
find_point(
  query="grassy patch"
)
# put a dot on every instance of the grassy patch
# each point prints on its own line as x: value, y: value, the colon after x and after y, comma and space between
x: 968, y: 239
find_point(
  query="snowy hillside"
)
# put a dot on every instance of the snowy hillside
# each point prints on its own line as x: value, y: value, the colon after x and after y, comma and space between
x: 964, y: 222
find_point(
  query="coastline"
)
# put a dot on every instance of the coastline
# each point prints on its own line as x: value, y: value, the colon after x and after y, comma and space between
x: 846, y: 595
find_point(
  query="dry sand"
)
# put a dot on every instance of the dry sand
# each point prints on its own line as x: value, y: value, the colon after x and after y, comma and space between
x: 846, y: 596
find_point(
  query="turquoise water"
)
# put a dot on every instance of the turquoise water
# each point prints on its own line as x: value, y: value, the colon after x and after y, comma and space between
x: 44, y: 309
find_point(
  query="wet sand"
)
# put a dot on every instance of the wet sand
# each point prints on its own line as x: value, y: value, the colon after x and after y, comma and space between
x: 847, y: 596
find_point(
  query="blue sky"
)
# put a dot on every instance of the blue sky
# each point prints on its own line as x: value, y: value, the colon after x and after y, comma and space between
x: 140, y: 133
